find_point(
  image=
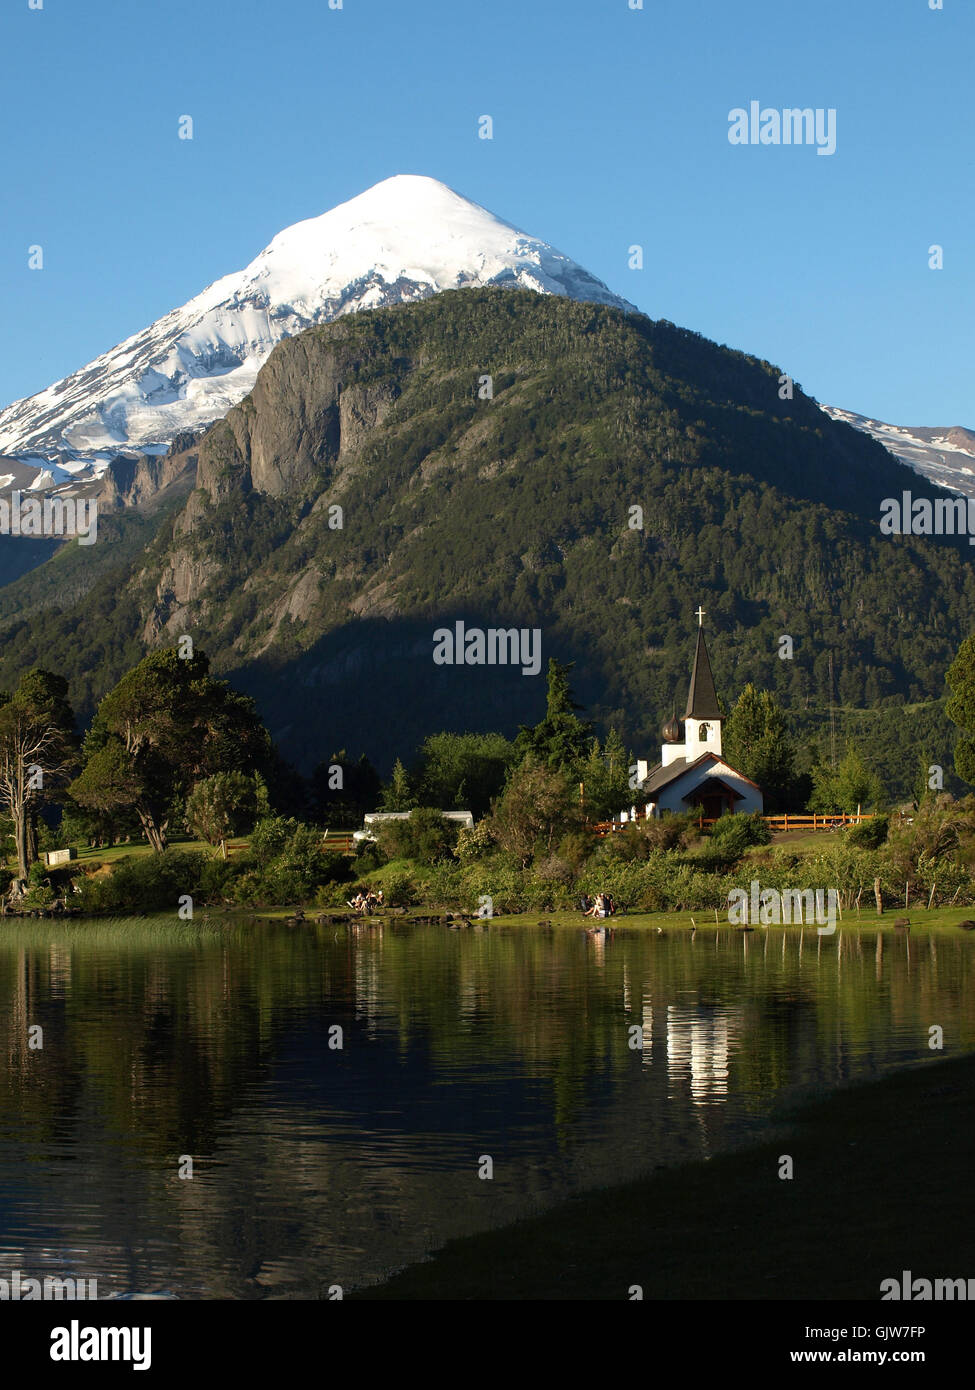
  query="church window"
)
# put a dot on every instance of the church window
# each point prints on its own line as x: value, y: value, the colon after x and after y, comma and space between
x: 704, y: 733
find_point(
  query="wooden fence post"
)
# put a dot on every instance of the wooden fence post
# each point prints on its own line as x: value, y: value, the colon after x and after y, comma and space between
x: 879, y: 896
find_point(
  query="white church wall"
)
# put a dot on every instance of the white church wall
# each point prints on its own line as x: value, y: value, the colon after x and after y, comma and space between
x: 751, y: 798
x: 671, y: 798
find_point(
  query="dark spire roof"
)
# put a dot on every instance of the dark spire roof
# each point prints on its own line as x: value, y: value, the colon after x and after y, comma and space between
x: 702, y: 699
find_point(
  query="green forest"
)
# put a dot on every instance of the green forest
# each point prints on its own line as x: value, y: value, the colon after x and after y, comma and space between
x: 366, y: 493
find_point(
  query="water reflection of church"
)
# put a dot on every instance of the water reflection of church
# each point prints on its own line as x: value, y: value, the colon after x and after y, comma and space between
x: 698, y: 1042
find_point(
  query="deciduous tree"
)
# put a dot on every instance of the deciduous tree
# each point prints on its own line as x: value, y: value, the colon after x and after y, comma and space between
x: 221, y: 806
x: 167, y: 725
x: 38, y: 749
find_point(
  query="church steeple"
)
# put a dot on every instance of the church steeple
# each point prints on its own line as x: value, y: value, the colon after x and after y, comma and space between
x: 702, y: 698
x: 703, y: 717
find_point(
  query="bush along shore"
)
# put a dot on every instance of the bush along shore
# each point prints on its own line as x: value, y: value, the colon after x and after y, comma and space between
x: 907, y: 863
x: 172, y: 749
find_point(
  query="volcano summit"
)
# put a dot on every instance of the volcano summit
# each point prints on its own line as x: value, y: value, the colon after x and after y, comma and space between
x: 402, y: 240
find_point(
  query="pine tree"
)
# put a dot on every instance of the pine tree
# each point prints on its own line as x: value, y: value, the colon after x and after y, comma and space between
x: 756, y: 741
x: 398, y: 795
x: 561, y: 740
x: 605, y: 779
x: 851, y: 786
x: 960, y: 709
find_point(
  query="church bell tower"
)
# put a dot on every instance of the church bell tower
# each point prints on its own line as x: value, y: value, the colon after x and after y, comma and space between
x: 702, y: 717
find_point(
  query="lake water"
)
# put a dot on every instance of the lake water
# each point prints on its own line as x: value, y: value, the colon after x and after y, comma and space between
x: 316, y: 1166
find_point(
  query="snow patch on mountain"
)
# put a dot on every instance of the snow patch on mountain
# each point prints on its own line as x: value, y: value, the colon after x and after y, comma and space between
x: 402, y: 240
x: 946, y: 457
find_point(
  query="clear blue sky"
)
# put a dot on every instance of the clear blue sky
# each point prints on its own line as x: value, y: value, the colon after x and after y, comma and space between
x: 611, y: 128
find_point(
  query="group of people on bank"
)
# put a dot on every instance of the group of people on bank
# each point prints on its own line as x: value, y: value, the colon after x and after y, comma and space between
x: 602, y: 905
x: 368, y: 902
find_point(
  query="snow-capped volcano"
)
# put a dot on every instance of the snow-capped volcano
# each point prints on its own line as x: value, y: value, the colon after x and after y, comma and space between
x: 404, y: 239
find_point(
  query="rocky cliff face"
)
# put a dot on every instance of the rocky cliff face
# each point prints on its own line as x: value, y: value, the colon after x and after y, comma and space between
x: 300, y: 430
x: 145, y: 480
x: 306, y: 414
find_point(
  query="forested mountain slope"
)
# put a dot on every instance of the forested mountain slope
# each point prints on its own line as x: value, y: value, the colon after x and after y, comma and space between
x: 516, y: 511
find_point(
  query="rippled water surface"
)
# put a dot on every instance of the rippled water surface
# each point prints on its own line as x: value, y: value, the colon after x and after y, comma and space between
x: 570, y: 1060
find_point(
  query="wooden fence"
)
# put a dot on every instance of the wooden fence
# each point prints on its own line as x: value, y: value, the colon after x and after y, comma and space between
x: 341, y: 841
x: 779, y: 823
x: 338, y: 842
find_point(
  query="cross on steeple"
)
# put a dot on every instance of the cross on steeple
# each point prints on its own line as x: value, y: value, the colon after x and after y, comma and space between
x: 699, y: 615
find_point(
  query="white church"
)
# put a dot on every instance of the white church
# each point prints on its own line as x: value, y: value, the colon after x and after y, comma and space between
x: 691, y: 774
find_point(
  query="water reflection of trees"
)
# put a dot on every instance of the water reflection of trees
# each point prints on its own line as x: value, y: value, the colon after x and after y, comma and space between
x: 169, y: 1027
x: 161, y: 1040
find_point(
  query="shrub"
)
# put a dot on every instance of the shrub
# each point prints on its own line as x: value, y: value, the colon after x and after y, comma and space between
x: 729, y: 840
x: 287, y: 864
x: 283, y: 884
x: 642, y: 839
x: 426, y: 838
x: 270, y: 836
x: 248, y: 888
x: 218, y: 877
x: 545, y: 889
x: 443, y: 886
x: 743, y: 830
x: 634, y: 885
x: 152, y: 882
x: 368, y: 857
x: 399, y: 888
x: 337, y: 868
x: 869, y: 834
x: 332, y: 895
x: 576, y: 848
x: 497, y: 878
x: 476, y: 842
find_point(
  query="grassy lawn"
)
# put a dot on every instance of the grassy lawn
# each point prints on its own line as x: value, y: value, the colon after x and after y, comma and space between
x: 807, y: 841
x: 939, y: 918
x: 676, y: 923
x: 882, y: 1183
x: 112, y: 854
